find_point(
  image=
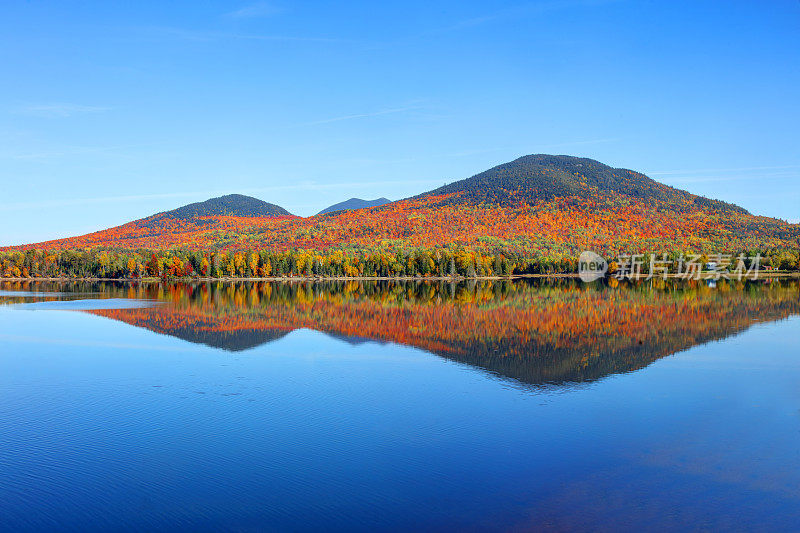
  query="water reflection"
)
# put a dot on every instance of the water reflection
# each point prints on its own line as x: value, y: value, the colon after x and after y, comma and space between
x: 552, y: 332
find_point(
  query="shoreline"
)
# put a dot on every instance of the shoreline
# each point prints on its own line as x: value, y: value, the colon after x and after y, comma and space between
x: 150, y: 279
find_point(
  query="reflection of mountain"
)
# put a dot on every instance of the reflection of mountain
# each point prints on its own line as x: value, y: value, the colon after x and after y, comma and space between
x: 548, y: 333
x: 200, y: 330
x: 224, y: 333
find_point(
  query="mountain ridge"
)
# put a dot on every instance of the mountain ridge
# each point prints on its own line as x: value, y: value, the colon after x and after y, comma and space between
x: 353, y: 204
x: 537, y: 204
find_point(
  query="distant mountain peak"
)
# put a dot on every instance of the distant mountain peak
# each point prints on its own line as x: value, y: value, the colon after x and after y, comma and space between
x: 545, y: 177
x: 354, y: 203
x: 237, y: 205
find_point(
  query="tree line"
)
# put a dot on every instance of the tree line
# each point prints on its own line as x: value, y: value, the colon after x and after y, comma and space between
x: 457, y: 261
x: 176, y: 263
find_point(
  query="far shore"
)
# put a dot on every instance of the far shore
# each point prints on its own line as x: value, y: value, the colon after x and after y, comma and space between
x: 770, y: 274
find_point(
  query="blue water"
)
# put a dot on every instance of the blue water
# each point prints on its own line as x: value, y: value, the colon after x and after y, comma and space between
x: 108, y: 427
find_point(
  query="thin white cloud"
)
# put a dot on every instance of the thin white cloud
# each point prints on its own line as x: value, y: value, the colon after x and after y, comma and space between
x: 256, y: 10
x: 207, y: 36
x: 58, y: 110
x: 70, y: 151
x: 366, y: 161
x: 361, y: 115
x: 67, y: 202
x: 204, y: 195
x: 580, y: 143
x: 314, y: 186
x: 531, y: 148
x: 465, y: 153
x: 717, y: 170
x: 521, y: 10
x: 747, y: 177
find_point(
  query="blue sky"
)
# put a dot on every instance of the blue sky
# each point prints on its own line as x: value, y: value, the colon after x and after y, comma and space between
x: 112, y: 111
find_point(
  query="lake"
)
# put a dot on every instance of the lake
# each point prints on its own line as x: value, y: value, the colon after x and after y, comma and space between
x: 385, y: 406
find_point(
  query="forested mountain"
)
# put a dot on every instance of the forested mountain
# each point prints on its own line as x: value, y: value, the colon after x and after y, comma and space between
x: 235, y: 205
x: 542, y: 208
x: 354, y: 203
x: 542, y: 177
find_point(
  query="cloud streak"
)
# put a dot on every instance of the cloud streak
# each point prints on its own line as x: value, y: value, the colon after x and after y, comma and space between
x: 208, y: 36
x: 257, y: 10
x: 70, y: 151
x: 531, y: 149
x: 722, y: 175
x: 717, y: 170
x: 580, y: 143
x: 204, y: 195
x: 361, y: 115
x: 706, y: 179
x: 521, y: 10
x: 59, y: 110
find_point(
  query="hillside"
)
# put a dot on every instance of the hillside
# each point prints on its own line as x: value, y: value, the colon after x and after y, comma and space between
x: 537, y: 206
x: 354, y: 203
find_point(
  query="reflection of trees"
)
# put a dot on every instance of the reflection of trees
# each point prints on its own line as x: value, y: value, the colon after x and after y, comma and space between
x: 549, y: 332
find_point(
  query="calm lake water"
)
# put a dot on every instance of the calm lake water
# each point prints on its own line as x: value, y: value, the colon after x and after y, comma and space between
x: 399, y: 406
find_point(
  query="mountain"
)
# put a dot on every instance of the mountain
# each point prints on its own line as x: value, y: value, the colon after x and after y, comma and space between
x: 178, y: 226
x: 354, y: 203
x: 538, y: 206
x: 236, y: 205
x: 542, y: 177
